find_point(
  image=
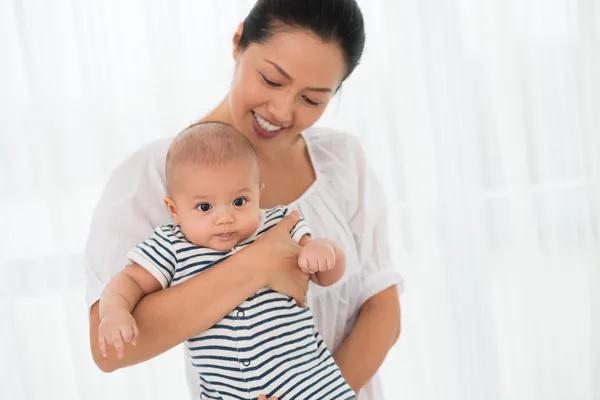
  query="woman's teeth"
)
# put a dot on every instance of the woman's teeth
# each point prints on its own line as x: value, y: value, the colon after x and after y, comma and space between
x: 267, y: 126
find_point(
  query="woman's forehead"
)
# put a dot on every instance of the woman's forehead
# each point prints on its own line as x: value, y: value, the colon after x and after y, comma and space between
x: 303, y: 56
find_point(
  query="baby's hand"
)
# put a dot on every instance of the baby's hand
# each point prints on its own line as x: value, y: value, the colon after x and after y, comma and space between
x: 116, y: 327
x: 317, y: 256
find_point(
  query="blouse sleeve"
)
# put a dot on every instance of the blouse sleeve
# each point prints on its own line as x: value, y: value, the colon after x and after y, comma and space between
x: 129, y: 210
x: 369, y: 221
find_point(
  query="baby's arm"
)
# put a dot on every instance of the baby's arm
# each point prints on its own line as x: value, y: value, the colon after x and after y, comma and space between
x: 323, y: 259
x: 119, y: 298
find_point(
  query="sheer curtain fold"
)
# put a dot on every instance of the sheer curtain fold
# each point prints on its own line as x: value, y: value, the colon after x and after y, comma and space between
x: 479, y: 116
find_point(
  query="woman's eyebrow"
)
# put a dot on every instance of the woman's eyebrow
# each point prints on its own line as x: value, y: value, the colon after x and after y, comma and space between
x: 285, y: 74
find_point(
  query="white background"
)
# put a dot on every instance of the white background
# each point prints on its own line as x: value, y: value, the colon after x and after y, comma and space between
x: 481, y: 117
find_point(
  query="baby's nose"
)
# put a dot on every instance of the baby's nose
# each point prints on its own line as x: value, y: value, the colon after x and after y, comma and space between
x: 225, y: 218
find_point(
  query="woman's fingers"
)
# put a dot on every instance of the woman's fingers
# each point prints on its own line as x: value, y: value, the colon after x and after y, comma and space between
x: 300, y: 286
x: 289, y: 221
x: 279, y: 254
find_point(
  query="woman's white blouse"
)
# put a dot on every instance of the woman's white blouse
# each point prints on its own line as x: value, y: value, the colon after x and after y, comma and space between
x: 346, y: 203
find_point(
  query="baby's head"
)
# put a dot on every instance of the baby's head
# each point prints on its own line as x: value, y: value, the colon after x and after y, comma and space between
x: 213, y: 185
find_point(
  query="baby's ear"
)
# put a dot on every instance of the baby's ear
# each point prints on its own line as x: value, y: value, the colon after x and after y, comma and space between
x: 262, y: 186
x: 171, y: 208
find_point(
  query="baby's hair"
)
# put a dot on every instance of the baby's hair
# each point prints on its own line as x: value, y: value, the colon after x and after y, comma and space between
x: 207, y: 144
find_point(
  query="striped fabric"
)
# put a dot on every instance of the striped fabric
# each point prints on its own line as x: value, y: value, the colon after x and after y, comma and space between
x: 267, y: 345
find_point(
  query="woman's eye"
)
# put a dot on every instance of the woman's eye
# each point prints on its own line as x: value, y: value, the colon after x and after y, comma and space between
x: 239, y: 202
x: 269, y: 82
x: 310, y: 102
x: 204, y: 207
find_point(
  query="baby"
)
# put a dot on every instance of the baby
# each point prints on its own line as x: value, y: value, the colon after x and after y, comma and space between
x: 268, y: 344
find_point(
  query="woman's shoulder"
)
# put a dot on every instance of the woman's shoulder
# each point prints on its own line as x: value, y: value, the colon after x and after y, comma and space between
x: 129, y: 209
x: 151, y: 155
x: 338, y: 160
x: 138, y: 182
x: 332, y: 142
x: 147, y: 163
x: 334, y: 152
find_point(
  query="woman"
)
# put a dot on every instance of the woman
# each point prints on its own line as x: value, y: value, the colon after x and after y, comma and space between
x: 290, y: 59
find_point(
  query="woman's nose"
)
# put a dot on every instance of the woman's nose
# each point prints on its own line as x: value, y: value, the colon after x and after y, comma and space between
x: 282, y: 110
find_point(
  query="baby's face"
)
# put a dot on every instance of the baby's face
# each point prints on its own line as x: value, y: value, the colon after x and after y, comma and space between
x: 217, y: 207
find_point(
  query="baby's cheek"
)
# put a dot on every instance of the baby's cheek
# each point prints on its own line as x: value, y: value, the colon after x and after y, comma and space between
x: 195, y: 238
x: 251, y: 225
x: 196, y: 233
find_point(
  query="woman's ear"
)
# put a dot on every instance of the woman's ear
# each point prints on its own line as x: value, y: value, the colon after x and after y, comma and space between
x: 236, y: 40
x: 172, y: 209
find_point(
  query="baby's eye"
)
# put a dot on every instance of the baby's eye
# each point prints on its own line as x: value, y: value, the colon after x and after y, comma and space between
x: 239, y: 202
x: 204, y: 207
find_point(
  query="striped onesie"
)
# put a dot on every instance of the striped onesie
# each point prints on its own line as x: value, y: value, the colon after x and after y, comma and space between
x: 267, y: 345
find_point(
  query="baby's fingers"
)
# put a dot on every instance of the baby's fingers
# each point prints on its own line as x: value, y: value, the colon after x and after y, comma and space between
x: 102, y: 345
x: 117, y: 341
x: 136, y: 334
x: 304, y: 264
x: 329, y: 263
x: 314, y: 265
x: 322, y: 265
x: 127, y: 333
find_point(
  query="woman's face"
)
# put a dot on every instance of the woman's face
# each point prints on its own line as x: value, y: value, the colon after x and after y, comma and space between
x: 282, y: 87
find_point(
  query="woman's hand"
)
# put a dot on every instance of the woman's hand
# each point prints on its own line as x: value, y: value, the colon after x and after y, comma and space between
x: 276, y: 254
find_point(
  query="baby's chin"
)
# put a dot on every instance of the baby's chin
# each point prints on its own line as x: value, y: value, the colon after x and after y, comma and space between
x: 221, y: 247
x: 224, y: 242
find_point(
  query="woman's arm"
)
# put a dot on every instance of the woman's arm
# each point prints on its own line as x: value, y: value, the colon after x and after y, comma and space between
x: 377, y: 326
x: 376, y: 330
x: 169, y: 317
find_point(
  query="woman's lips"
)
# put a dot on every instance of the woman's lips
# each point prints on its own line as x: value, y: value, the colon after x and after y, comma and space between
x: 263, y: 132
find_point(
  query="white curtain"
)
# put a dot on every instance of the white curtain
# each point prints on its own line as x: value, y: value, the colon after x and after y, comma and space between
x: 482, y: 118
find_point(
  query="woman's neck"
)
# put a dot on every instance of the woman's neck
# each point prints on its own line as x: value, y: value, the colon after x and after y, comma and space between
x: 279, y: 153
x: 219, y: 114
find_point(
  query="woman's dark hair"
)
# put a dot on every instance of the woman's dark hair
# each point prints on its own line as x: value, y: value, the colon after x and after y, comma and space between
x: 338, y: 21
